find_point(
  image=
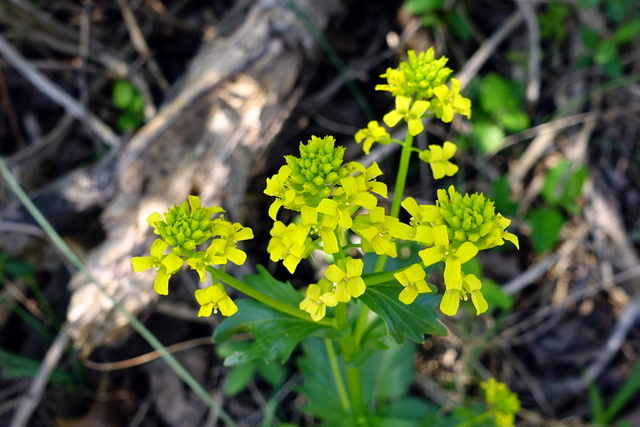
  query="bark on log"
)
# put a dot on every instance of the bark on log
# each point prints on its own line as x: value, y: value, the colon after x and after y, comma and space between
x: 226, y: 111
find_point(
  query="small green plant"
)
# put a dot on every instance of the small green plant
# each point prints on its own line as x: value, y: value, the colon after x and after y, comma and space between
x: 560, y: 192
x: 499, y: 113
x: 627, y: 391
x: 624, y: 18
x: 130, y: 102
x: 351, y: 325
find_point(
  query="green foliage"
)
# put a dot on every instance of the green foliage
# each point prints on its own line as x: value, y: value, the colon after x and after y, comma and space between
x: 499, y: 112
x: 386, y: 379
x: 563, y: 186
x: 18, y: 268
x: 276, y: 333
x: 433, y: 14
x: 624, y: 18
x: 240, y: 375
x: 125, y: 96
x: 560, y: 191
x: 546, y: 224
x: 404, y: 321
x: 625, y: 393
x: 15, y: 366
x: 553, y: 21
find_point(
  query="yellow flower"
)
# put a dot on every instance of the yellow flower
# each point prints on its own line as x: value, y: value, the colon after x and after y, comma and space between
x: 412, y: 114
x: 184, y: 226
x: 452, y: 296
x: 438, y: 157
x: 215, y: 298
x: 412, y: 278
x: 166, y: 264
x: 346, y: 276
x: 453, y: 258
x: 378, y: 231
x: 503, y: 403
x: 449, y: 102
x: 417, y: 76
x: 319, y: 297
x: 283, y: 246
x: 372, y: 133
x: 276, y: 187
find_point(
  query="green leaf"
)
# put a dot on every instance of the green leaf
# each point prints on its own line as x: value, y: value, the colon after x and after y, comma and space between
x: 626, y: 392
x: 238, y: 378
x: 605, y: 52
x: 545, y: 228
x: 403, y: 321
x: 503, y: 202
x: 20, y: 268
x: 497, y: 94
x: 554, y: 182
x: 489, y: 136
x: 589, y: 36
x: 514, y: 120
x: 318, y: 387
x: 394, y: 372
x: 627, y: 32
x: 123, y: 94
x: 419, y: 7
x: 615, y: 10
x: 562, y: 186
x: 15, y: 366
x: 273, y: 373
x: 268, y: 285
x: 276, y: 334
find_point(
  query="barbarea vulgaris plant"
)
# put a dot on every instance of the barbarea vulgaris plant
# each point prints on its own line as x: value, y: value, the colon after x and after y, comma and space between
x: 341, y: 209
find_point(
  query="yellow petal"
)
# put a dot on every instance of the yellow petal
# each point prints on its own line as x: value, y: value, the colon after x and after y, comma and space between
x: 227, y: 307
x: 479, y: 302
x: 172, y: 263
x: 161, y: 283
x: 408, y: 295
x: 334, y: 273
x: 392, y: 118
x: 157, y: 248
x: 141, y: 263
x: 440, y: 236
x: 450, y: 302
x: 448, y: 150
x: 205, y: 310
x: 431, y: 255
x: 466, y: 251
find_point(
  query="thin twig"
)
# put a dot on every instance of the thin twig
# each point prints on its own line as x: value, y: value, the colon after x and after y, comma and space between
x: 138, y: 41
x: 473, y: 65
x: 54, y: 92
x: 530, y: 19
x: 31, y: 398
x: 626, y: 321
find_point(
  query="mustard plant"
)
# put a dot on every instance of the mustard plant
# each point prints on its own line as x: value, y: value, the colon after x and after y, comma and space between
x: 343, y: 211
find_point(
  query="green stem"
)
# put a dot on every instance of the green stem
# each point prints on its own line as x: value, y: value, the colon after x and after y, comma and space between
x: 398, y: 191
x: 401, y: 178
x: 355, y: 390
x: 265, y: 299
x: 337, y: 375
x: 68, y: 253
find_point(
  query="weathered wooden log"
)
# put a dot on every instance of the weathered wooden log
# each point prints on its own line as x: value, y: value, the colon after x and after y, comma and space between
x: 226, y: 111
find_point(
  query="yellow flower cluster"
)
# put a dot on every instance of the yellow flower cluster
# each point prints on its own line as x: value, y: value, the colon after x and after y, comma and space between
x: 503, y: 403
x: 184, y: 228
x: 422, y: 88
x: 331, y: 198
x: 454, y: 230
